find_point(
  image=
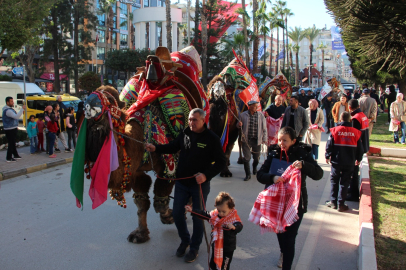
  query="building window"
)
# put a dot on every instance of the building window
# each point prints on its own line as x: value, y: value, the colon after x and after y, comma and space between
x: 123, y: 40
x: 153, y: 3
x: 115, y: 22
x: 102, y: 19
x: 123, y: 24
x: 146, y: 3
x: 123, y: 8
x: 114, y: 7
x: 100, y: 52
x: 114, y: 38
x: 102, y: 35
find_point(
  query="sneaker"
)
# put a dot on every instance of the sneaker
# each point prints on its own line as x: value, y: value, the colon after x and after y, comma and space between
x: 342, y: 208
x: 280, y: 262
x: 57, y: 150
x: 331, y: 204
x: 67, y: 150
x: 11, y: 160
x: 180, y: 252
x: 191, y: 256
x: 53, y: 156
x: 18, y: 157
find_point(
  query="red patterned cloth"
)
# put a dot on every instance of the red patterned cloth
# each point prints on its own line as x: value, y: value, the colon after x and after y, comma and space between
x: 217, y: 234
x: 273, y: 126
x: 276, y: 207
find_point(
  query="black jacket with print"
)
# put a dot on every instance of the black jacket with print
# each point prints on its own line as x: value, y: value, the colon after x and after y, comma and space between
x: 198, y: 151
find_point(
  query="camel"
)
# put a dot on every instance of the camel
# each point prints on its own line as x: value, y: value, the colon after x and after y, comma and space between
x: 128, y: 131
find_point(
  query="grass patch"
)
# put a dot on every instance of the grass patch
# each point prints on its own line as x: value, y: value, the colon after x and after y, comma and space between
x: 388, y: 187
x: 381, y: 136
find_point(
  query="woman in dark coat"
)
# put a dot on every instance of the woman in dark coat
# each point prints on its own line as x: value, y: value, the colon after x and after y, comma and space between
x: 299, y: 154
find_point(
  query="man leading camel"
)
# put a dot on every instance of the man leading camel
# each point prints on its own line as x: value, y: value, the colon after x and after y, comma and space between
x: 201, y: 158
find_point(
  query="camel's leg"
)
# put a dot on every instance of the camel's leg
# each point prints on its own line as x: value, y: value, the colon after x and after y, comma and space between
x: 240, y: 158
x: 162, y: 190
x: 141, y: 186
x: 232, y: 137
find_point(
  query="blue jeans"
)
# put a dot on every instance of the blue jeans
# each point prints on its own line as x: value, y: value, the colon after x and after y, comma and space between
x: 181, y: 198
x: 396, y: 133
x: 33, y: 144
x: 315, y: 151
x: 51, y: 141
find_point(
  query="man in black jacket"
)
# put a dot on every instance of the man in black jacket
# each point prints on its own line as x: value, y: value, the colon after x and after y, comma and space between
x: 344, y: 151
x: 328, y: 104
x: 390, y: 99
x: 303, y: 99
x: 199, y: 148
x: 276, y: 110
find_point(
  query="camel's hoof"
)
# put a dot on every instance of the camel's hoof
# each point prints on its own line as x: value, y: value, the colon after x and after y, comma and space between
x: 138, y: 237
x: 226, y: 174
x: 168, y: 218
x: 240, y: 161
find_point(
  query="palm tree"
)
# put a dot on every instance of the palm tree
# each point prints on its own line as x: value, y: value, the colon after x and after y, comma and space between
x: 322, y: 47
x: 182, y: 28
x: 311, y: 34
x: 129, y: 23
x: 106, y: 8
x: 282, y: 6
x: 296, y: 35
x: 168, y: 25
x: 277, y: 11
x: 256, y: 39
x: 237, y: 43
x: 287, y: 13
x: 274, y: 21
x: 245, y: 21
x: 263, y: 19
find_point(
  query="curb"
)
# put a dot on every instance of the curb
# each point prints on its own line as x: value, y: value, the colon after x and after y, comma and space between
x: 18, y: 172
x: 388, y: 152
x: 366, y: 248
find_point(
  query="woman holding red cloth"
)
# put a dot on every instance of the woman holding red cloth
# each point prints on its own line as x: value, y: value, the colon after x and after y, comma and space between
x: 287, y: 151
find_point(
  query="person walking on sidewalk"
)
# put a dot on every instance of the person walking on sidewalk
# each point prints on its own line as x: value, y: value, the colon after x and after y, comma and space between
x: 47, y: 118
x: 71, y: 127
x: 201, y: 157
x: 10, y: 126
x: 296, y: 117
x: 369, y: 107
x: 52, y: 127
x: 344, y: 151
x: 59, y: 134
x: 254, y: 133
x: 339, y: 107
x: 41, y: 129
x: 360, y: 122
x: 397, y: 111
x: 32, y: 132
x: 289, y: 150
x: 328, y: 105
x: 390, y: 98
x: 313, y: 134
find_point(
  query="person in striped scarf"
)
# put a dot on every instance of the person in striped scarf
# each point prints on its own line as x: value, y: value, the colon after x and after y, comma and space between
x: 225, y: 224
x: 299, y: 155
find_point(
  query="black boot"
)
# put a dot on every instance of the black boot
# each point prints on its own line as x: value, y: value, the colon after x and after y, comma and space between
x: 247, y: 171
x: 254, y: 167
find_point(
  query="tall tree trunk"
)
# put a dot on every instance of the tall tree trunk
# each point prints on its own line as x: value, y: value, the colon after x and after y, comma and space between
x: 287, y: 40
x: 196, y: 37
x: 204, y: 46
x: 270, y: 58
x: 168, y: 25
x: 277, y: 51
x: 402, y: 85
x: 311, y: 60
x: 297, y: 69
x: 75, y: 45
x: 284, y: 49
x: 55, y: 41
x: 256, y: 39
x: 246, y: 45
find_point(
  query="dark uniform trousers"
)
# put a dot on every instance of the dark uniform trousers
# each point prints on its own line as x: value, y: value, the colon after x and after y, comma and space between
x: 340, y: 178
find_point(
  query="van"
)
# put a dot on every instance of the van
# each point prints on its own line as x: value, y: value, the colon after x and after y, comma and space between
x: 36, y: 104
x: 16, y: 91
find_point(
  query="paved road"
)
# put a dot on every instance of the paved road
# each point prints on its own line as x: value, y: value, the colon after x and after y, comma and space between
x: 41, y: 228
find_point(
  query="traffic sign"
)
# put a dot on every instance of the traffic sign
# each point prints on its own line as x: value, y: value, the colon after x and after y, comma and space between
x: 120, y: 83
x: 18, y: 70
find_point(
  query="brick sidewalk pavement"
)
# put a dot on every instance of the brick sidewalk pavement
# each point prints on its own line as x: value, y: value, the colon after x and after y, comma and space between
x: 29, y: 162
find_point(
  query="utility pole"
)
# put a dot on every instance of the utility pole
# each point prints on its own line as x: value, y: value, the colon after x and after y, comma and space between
x: 188, y: 22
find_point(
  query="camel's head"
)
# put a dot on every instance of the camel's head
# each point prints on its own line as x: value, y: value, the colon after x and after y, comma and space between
x: 218, y: 90
x: 93, y: 106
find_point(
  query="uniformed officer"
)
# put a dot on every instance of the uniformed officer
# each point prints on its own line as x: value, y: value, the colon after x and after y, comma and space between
x: 344, y: 150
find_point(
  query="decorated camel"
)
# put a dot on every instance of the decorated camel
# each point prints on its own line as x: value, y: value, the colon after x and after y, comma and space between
x: 229, y: 93
x: 159, y: 98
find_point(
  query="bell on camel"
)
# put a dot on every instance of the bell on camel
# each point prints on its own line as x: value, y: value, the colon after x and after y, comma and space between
x: 152, y: 75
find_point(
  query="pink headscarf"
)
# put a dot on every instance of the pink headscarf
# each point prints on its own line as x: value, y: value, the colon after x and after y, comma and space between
x: 314, y: 102
x: 48, y: 108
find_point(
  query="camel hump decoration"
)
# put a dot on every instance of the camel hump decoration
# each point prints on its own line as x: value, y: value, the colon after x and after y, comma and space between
x: 153, y: 107
x: 229, y: 93
x: 270, y: 88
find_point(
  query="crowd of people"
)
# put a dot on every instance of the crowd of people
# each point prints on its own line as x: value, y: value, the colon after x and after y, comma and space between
x: 48, y: 129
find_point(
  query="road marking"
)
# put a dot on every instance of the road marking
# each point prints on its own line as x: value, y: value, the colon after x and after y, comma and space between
x: 309, y: 245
